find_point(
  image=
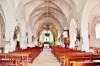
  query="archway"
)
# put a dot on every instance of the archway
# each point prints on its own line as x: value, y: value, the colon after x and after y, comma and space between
x: 56, y: 28
x: 46, y: 37
x: 47, y: 33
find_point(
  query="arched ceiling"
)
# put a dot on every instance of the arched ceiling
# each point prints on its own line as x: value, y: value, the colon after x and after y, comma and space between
x: 39, y: 25
x: 47, y: 9
x: 58, y: 11
x: 2, y: 13
x: 52, y: 29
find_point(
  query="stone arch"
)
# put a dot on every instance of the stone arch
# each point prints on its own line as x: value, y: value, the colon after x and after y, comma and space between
x: 57, y: 25
x: 2, y: 13
x: 2, y: 31
x: 53, y: 30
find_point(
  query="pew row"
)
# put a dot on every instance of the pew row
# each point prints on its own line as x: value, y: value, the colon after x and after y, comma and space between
x: 21, y: 57
x: 6, y: 62
x: 65, y: 56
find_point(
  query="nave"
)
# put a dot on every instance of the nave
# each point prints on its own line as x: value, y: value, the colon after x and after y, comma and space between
x: 71, y: 28
x: 46, y: 58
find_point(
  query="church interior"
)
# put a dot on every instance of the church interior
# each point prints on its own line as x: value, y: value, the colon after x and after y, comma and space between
x: 49, y: 33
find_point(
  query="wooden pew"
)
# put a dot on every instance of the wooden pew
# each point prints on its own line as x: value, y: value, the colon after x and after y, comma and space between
x: 2, y: 55
x: 34, y: 52
x: 6, y: 59
x: 21, y: 57
x: 6, y: 62
x: 80, y: 57
x: 85, y: 64
x: 65, y: 56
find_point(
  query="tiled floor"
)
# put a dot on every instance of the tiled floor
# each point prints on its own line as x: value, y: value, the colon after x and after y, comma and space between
x: 46, y: 58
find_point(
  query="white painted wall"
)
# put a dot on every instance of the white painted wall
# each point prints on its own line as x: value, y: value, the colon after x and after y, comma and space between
x: 93, y: 19
x: 2, y: 31
x: 89, y: 6
x: 94, y: 42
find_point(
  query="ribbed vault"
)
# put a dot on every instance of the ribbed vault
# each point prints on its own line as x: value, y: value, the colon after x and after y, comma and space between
x: 59, y: 11
x: 43, y: 13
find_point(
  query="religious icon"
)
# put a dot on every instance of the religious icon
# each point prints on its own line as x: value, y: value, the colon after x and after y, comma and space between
x: 33, y: 38
x: 15, y: 34
x: 27, y: 38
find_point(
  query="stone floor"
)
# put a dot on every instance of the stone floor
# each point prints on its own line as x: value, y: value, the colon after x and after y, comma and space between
x: 46, y: 58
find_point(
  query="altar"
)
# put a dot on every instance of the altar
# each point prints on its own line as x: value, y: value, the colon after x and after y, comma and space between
x: 46, y: 45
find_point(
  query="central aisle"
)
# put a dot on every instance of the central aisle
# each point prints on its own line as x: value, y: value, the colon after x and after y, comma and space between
x: 46, y: 58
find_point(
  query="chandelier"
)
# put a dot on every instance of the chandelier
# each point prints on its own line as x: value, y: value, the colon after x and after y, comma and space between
x: 47, y: 26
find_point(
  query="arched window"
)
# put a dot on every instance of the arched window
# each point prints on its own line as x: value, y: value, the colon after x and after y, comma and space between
x: 97, y: 30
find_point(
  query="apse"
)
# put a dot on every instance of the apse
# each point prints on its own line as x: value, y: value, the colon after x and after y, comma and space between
x: 46, y: 36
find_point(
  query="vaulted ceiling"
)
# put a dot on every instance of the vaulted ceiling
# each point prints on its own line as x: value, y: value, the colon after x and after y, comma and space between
x: 57, y: 12
x: 36, y: 13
